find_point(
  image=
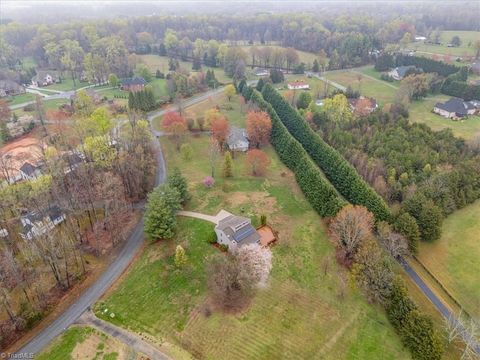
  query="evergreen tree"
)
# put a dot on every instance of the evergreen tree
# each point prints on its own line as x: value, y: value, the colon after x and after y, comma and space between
x: 315, y: 67
x: 4, y: 133
x: 260, y: 84
x: 227, y: 165
x: 172, y: 66
x: 304, y: 100
x: 197, y: 64
x: 241, y: 85
x: 161, y: 50
x: 131, y: 101
x: 406, y: 225
x: 180, y: 256
x: 177, y: 181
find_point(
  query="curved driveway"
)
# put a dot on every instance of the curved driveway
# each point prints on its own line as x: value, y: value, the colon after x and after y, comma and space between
x: 94, y: 292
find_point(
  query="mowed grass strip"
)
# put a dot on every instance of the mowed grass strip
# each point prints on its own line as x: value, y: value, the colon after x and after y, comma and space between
x: 378, y: 90
x: 299, y: 312
x: 454, y: 258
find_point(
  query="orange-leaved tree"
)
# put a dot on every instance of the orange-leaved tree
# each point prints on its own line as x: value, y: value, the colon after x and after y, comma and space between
x: 258, y: 162
x: 259, y: 127
x: 175, y: 125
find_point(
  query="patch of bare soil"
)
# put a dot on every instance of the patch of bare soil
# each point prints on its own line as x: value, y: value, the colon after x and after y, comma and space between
x: 95, y: 346
x: 260, y: 201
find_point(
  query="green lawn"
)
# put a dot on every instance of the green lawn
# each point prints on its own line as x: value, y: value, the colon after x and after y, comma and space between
x: 301, y: 314
x: 421, y: 111
x: 305, y: 57
x: 466, y: 48
x: 62, y: 347
x: 86, y: 343
x: 66, y: 85
x: 19, y: 99
x: 156, y: 62
x: 454, y: 259
x: 55, y: 103
x: 382, y: 91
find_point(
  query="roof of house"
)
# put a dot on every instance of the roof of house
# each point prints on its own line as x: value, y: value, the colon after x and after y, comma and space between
x: 134, y: 81
x: 239, y: 229
x: 53, y: 212
x: 455, y: 105
x: 41, y: 74
x: 402, y: 70
x: 28, y: 168
x: 236, y: 135
x: 72, y: 158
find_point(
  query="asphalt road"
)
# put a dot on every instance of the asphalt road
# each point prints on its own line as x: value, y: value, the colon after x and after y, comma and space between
x: 92, y: 294
x: 446, y: 313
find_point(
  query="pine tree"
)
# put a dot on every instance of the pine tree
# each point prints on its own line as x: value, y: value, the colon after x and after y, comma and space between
x: 177, y: 181
x: 315, y: 66
x: 227, y: 165
x: 131, y: 101
x: 260, y: 84
x: 180, y: 256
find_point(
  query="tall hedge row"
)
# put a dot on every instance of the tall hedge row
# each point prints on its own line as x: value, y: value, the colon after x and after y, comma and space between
x: 319, y: 192
x: 340, y: 173
x: 428, y: 65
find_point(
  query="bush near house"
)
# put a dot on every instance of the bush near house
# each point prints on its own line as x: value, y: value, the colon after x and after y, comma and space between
x: 340, y: 173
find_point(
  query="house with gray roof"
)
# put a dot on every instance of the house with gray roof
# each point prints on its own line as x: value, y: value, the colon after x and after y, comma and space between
x: 234, y: 231
x: 401, y: 71
x: 237, y: 140
x: 29, y: 171
x: 37, y: 223
x: 455, y: 108
x: 44, y: 78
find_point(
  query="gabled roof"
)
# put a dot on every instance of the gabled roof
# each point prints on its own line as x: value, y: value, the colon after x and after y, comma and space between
x: 28, y: 168
x: 41, y: 74
x: 402, y: 70
x: 455, y: 105
x: 239, y: 229
x: 236, y: 135
x: 134, y: 81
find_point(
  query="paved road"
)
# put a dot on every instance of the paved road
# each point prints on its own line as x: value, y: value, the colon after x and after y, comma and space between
x: 446, y: 313
x: 130, y: 339
x: 92, y: 294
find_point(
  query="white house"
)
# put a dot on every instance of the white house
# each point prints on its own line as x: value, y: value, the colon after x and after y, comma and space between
x: 237, y: 140
x: 298, y: 85
x: 455, y: 108
x: 43, y: 79
x: 38, y: 223
x: 420, y: 38
x: 3, y: 233
x: 234, y: 231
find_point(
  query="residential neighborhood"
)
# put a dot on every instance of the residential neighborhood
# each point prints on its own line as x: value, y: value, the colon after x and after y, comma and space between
x: 239, y: 180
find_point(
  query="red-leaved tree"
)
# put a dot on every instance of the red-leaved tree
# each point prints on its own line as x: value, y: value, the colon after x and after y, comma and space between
x: 175, y: 125
x: 220, y: 130
x: 259, y: 127
x: 258, y: 162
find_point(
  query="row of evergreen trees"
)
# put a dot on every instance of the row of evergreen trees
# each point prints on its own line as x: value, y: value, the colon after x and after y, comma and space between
x: 341, y: 174
x: 319, y: 192
x: 414, y: 327
x: 142, y: 100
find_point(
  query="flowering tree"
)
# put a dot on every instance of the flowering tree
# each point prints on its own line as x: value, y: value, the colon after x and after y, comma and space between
x: 208, y: 181
x: 255, y: 262
x: 259, y: 127
x: 258, y: 161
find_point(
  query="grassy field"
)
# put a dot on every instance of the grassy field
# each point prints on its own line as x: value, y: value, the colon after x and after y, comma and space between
x: 454, y: 258
x: 465, y: 49
x: 301, y: 314
x: 303, y: 56
x: 66, y: 85
x: 421, y: 111
x: 154, y: 62
x: 55, y: 103
x: 19, y: 99
x: 383, y: 92
x: 86, y: 343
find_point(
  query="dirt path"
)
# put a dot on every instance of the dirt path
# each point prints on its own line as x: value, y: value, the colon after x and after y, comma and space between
x: 130, y: 339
